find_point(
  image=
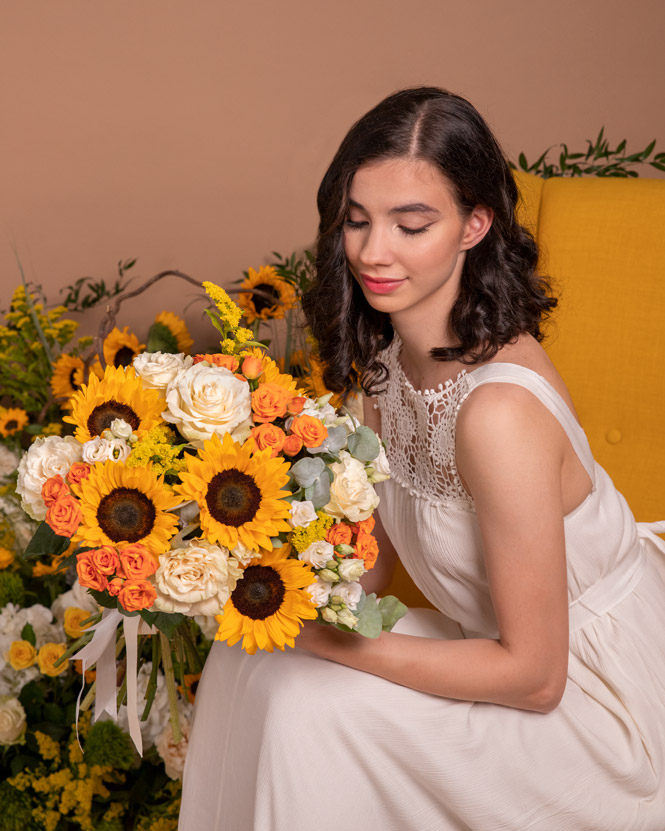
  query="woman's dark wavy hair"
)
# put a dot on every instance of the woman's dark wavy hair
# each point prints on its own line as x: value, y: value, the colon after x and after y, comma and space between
x: 500, y: 297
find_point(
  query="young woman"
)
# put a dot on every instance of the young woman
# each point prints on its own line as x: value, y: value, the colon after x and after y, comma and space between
x: 536, y: 699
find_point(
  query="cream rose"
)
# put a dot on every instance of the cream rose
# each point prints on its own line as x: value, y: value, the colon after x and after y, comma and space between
x: 350, y: 593
x: 195, y: 580
x: 12, y: 720
x: 46, y: 457
x: 351, y: 493
x: 302, y: 513
x: 158, y: 369
x: 206, y: 400
x: 317, y: 554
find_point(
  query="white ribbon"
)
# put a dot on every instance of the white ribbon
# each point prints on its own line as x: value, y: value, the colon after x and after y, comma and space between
x: 131, y: 629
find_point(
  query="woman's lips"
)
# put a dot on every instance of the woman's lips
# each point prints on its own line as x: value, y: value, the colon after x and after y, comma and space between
x: 378, y: 286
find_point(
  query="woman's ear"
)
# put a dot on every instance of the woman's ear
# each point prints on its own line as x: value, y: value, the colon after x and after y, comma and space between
x: 476, y: 226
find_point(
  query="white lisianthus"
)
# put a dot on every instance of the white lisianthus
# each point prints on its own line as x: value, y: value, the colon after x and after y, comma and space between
x: 349, y: 592
x: 317, y: 554
x: 196, y: 579
x: 206, y: 400
x: 157, y: 369
x: 347, y: 617
x: 13, y: 722
x: 243, y: 554
x: 351, y: 493
x: 379, y: 470
x: 96, y: 450
x: 328, y: 575
x: 329, y: 615
x: 351, y: 569
x: 172, y: 754
x: 119, y: 450
x: 302, y: 513
x: 319, y: 592
x: 120, y: 429
x: 322, y: 410
x: 46, y: 457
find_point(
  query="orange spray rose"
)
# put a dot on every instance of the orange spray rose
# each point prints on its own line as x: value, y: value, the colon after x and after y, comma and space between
x: 53, y: 489
x: 269, y: 435
x: 310, y: 430
x: 136, y: 595
x: 64, y: 515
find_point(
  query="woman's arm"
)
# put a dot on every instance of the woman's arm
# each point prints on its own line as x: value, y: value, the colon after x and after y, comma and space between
x: 509, y: 454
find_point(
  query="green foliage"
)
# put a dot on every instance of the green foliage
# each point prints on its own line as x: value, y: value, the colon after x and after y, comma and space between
x: 16, y: 810
x: 46, y: 541
x: 161, y: 339
x: 107, y: 744
x: 597, y: 160
x: 12, y: 589
x: 86, y: 292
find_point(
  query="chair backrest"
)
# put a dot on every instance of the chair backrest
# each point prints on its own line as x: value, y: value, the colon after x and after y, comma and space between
x: 602, y: 242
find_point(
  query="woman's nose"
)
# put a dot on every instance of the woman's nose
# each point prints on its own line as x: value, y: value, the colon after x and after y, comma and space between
x: 376, y: 248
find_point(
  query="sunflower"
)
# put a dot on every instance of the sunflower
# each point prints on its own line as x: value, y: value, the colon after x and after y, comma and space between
x: 277, y: 295
x: 268, y: 605
x: 119, y: 394
x: 239, y: 492
x: 316, y: 383
x: 69, y: 375
x: 272, y: 375
x: 12, y: 420
x: 169, y: 334
x: 120, y: 348
x: 123, y: 505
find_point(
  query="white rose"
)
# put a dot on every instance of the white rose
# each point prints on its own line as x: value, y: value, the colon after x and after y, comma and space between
x: 347, y: 617
x: 206, y: 400
x: 243, y: 554
x: 96, y: 450
x: 158, y: 369
x: 350, y: 593
x: 317, y: 554
x: 120, y: 428
x: 351, y: 569
x: 119, y: 450
x: 379, y: 470
x: 172, y: 754
x: 195, y: 580
x: 46, y: 457
x: 351, y: 493
x: 302, y: 513
x: 319, y: 592
x: 12, y: 720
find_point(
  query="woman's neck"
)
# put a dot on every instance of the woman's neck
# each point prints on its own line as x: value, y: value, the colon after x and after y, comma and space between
x: 417, y: 340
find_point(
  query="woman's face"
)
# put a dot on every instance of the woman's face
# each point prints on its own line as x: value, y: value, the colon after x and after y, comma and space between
x: 404, y: 238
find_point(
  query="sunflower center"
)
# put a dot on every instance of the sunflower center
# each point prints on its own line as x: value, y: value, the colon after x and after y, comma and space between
x: 261, y: 303
x: 123, y: 357
x: 233, y: 497
x: 260, y: 592
x: 101, y: 417
x: 126, y: 514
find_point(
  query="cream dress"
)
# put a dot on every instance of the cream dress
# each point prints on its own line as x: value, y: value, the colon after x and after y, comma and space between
x: 291, y: 742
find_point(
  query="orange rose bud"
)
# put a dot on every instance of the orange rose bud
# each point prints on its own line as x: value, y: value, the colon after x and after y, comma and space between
x: 296, y: 405
x: 367, y: 549
x: 105, y: 560
x: 365, y: 526
x: 53, y: 489
x: 64, y: 516
x: 114, y: 586
x: 229, y: 362
x: 269, y: 435
x: 252, y: 367
x: 78, y: 472
x: 137, y: 562
x: 292, y: 445
x: 269, y: 402
x: 310, y: 429
x: 339, y: 534
x: 136, y: 595
x: 89, y: 576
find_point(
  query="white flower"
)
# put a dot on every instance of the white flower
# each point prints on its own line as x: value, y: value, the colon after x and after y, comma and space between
x: 158, y: 369
x: 78, y: 597
x: 96, y: 450
x: 317, y: 554
x: 46, y: 457
x: 8, y: 461
x: 351, y: 493
x: 206, y: 400
x: 329, y: 615
x: 120, y: 428
x: 195, y: 580
x: 172, y: 754
x: 319, y: 592
x: 12, y: 720
x: 349, y: 592
x: 302, y: 513
x: 351, y: 569
x: 347, y: 617
x: 243, y: 554
x: 119, y: 450
x: 207, y: 625
x: 322, y: 410
x: 379, y: 470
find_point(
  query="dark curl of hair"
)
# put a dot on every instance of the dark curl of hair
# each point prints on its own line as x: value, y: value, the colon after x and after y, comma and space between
x: 500, y: 296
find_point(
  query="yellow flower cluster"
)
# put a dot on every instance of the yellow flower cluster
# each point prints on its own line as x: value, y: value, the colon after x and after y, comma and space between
x: 229, y: 313
x: 49, y: 749
x: 157, y: 448
x: 302, y: 537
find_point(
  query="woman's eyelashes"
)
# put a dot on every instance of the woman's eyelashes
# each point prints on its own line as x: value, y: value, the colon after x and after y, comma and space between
x: 409, y: 232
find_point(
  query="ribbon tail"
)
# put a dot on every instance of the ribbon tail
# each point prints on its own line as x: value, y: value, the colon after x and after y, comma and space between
x: 131, y: 628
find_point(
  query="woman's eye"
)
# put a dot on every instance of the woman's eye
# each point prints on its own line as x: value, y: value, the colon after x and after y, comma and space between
x: 411, y: 232
x: 349, y: 223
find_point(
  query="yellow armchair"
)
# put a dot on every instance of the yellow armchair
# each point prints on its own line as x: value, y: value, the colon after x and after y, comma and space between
x: 602, y: 242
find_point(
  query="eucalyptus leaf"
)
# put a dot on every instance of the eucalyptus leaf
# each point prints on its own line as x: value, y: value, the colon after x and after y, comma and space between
x: 391, y: 610
x: 364, y: 444
x: 306, y: 471
x: 370, y: 620
x: 319, y: 493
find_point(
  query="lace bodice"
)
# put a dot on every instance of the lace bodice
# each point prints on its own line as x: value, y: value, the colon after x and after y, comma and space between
x: 419, y: 431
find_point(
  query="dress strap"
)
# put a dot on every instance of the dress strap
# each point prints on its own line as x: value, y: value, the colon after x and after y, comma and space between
x: 507, y: 373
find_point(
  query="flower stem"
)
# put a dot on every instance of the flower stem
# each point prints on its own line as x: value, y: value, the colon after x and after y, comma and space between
x: 167, y: 663
x: 151, y: 689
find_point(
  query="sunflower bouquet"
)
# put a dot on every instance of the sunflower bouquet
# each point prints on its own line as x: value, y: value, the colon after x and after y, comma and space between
x: 208, y: 487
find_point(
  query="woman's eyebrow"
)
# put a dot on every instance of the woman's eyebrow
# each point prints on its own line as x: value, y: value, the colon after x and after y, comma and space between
x: 411, y: 208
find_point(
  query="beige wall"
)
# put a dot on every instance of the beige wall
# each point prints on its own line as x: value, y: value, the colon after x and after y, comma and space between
x: 193, y: 134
